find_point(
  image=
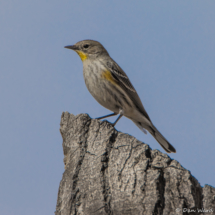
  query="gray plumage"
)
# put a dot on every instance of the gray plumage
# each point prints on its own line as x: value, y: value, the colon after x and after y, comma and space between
x: 111, y: 87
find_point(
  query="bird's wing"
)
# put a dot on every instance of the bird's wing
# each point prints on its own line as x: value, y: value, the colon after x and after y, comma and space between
x: 125, y: 83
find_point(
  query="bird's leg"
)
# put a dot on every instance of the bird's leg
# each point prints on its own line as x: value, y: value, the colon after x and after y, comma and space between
x: 103, y: 117
x: 117, y: 120
x: 121, y: 114
x: 113, y: 114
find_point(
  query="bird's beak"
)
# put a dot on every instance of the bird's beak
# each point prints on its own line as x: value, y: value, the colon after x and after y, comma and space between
x: 74, y: 47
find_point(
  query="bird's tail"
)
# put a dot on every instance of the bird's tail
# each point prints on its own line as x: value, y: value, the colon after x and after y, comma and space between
x: 158, y: 136
x: 140, y: 127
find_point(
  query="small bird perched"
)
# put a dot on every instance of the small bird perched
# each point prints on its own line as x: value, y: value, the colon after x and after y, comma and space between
x: 111, y: 88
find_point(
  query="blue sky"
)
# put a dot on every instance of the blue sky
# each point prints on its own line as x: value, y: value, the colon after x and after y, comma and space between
x: 171, y: 50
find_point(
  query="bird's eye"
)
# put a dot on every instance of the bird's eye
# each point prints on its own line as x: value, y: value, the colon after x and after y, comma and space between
x: 86, y: 46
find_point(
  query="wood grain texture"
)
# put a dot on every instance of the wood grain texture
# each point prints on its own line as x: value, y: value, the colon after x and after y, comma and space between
x: 109, y: 172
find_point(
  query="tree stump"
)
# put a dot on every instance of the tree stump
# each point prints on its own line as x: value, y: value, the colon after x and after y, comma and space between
x: 109, y: 172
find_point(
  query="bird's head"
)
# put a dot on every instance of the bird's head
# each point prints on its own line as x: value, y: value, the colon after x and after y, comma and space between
x: 88, y: 49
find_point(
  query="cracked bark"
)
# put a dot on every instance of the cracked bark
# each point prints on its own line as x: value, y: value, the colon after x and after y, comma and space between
x: 112, y: 173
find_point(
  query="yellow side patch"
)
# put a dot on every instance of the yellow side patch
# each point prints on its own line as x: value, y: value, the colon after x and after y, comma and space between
x: 82, y: 55
x: 107, y: 75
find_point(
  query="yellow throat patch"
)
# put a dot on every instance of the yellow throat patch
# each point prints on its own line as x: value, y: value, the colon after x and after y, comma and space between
x: 82, y: 55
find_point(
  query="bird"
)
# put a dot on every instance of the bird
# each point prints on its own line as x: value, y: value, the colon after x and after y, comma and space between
x: 111, y: 88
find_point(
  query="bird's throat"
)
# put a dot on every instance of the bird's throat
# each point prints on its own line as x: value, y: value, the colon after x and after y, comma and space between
x: 82, y: 55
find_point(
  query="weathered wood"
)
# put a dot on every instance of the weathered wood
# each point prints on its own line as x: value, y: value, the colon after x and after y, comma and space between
x: 109, y: 172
